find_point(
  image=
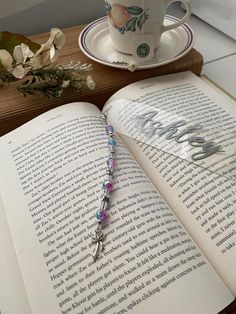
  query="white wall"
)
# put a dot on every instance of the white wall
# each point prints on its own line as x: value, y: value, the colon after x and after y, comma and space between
x: 37, y: 16
x: 11, y: 7
x: 42, y: 15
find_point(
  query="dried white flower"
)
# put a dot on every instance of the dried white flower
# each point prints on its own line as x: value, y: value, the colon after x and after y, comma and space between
x: 19, y: 71
x: 57, y: 38
x: 65, y: 84
x: 131, y: 66
x: 38, y: 65
x: 21, y: 54
x: 6, y: 59
x: 48, y: 52
x: 90, y: 82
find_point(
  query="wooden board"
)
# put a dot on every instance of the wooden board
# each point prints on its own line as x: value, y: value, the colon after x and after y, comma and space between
x: 15, y: 109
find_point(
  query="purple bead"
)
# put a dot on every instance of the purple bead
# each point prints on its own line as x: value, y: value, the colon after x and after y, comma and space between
x: 101, y: 215
x: 111, y: 163
x: 107, y: 185
x: 109, y: 129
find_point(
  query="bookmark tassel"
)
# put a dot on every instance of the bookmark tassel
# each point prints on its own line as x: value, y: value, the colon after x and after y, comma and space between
x: 107, y: 186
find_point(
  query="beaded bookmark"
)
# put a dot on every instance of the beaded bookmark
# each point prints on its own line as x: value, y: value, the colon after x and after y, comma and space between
x: 107, y: 187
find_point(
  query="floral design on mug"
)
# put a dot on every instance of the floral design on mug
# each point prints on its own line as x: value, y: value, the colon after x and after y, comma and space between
x: 124, y: 18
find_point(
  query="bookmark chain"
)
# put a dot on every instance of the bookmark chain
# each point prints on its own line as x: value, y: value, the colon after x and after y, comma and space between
x: 107, y: 187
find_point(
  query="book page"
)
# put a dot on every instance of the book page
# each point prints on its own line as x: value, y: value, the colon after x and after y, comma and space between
x: 203, y: 200
x: 11, y: 283
x: 52, y: 172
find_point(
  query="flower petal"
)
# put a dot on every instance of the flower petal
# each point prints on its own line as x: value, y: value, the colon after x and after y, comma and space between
x: 26, y: 52
x: 55, y: 57
x: 19, y: 71
x: 44, y: 47
x: 57, y: 38
x: 132, y: 66
x: 18, y: 54
x: 65, y: 84
x: 45, y: 58
x: 52, y: 52
x: 6, y: 59
x: 35, y: 62
x: 90, y: 82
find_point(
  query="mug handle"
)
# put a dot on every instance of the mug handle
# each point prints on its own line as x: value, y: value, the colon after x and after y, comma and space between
x: 184, y: 18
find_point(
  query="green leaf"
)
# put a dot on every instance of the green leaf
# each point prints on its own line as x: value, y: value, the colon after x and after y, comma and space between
x: 107, y: 7
x: 141, y: 20
x: 9, y: 40
x: 131, y: 24
x: 134, y: 10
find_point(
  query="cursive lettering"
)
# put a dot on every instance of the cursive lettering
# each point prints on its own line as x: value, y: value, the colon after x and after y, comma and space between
x: 150, y: 127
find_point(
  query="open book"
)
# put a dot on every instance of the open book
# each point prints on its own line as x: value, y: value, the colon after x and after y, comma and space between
x: 170, y: 243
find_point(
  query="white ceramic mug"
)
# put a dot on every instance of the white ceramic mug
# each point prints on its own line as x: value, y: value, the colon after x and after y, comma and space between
x: 136, y: 25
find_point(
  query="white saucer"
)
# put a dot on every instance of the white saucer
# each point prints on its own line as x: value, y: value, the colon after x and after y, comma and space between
x: 95, y: 42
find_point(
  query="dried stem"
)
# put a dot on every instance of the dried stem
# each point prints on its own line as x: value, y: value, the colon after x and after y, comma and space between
x: 52, y: 80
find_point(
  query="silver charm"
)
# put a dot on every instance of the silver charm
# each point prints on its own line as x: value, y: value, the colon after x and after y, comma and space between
x: 98, y: 239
